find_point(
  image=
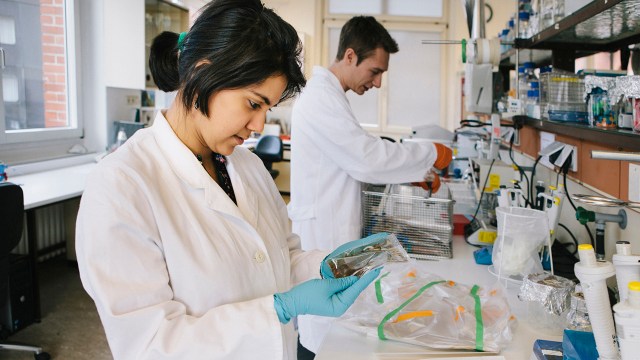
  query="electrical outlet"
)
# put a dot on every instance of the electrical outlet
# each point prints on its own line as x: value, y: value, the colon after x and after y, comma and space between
x: 132, y: 100
x: 568, y: 150
x: 634, y: 182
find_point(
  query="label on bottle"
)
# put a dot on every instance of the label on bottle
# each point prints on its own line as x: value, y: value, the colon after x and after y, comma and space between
x: 627, y: 332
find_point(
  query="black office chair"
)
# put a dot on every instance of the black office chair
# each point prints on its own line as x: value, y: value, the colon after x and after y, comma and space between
x: 11, y: 224
x: 269, y: 149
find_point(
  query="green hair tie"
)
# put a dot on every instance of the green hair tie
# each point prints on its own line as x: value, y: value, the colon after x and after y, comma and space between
x: 181, y: 40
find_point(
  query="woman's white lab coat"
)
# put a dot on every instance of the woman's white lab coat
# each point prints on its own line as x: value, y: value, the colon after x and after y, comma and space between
x: 331, y: 157
x: 176, y: 269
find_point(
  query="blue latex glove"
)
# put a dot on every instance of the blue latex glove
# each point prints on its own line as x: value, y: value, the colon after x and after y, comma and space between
x: 325, y: 270
x: 326, y: 297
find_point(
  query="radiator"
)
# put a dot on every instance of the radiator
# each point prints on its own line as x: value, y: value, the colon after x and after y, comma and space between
x: 51, y: 232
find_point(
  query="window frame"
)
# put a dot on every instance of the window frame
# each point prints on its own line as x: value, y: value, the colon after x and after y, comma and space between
x: 75, y: 129
x: 392, y: 23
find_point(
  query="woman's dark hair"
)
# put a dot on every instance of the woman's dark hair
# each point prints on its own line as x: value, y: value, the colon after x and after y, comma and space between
x: 231, y: 45
x: 364, y: 34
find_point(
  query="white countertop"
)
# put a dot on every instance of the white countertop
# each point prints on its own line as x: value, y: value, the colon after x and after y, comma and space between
x: 343, y: 343
x: 48, y: 187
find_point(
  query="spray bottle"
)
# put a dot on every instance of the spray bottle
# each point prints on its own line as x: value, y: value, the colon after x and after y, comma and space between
x: 627, y: 314
x: 627, y: 267
x: 592, y: 274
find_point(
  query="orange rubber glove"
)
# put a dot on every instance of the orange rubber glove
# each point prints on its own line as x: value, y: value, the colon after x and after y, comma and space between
x: 434, y: 184
x: 444, y: 156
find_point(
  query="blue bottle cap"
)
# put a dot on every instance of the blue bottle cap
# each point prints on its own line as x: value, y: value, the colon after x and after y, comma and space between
x: 523, y: 15
x: 534, y: 85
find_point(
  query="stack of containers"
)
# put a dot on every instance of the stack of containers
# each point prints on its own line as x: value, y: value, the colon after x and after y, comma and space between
x: 545, y: 72
x: 564, y: 96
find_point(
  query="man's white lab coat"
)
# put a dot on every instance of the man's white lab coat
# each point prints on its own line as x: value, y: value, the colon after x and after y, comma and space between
x: 176, y: 269
x: 331, y: 157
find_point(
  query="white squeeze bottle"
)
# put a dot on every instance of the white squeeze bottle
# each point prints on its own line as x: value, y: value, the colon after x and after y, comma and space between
x: 627, y: 315
x: 593, y: 275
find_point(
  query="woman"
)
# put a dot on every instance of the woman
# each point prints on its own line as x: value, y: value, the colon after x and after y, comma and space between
x: 183, y: 241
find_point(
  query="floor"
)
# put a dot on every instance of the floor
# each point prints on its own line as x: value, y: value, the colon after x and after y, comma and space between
x: 70, y: 328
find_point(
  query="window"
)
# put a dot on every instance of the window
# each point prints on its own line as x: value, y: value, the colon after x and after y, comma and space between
x: 411, y: 90
x: 38, y: 78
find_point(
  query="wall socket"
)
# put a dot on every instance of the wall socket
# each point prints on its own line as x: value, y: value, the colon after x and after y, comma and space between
x: 634, y: 182
x: 132, y: 99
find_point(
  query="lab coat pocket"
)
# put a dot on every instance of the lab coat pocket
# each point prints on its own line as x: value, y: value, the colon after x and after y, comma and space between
x: 299, y: 213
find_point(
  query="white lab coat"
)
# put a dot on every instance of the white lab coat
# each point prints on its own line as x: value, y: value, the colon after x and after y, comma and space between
x: 331, y: 157
x: 176, y: 269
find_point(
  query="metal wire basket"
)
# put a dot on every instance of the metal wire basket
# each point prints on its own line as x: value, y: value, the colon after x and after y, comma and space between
x: 423, y: 225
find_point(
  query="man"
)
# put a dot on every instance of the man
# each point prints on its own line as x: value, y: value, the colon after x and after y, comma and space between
x: 332, y: 155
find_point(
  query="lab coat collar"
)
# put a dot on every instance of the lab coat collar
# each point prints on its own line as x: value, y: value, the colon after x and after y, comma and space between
x: 325, y: 73
x: 187, y: 167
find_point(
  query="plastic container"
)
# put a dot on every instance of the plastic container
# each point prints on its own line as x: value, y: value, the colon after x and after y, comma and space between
x: 524, y: 31
x: 580, y: 117
x: 592, y: 275
x: 531, y: 107
x: 627, y: 267
x: 636, y: 114
x: 522, y: 84
x: 627, y: 315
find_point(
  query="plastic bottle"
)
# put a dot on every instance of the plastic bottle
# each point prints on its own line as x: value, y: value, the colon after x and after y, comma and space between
x: 524, y: 5
x: 627, y: 267
x: 523, y: 31
x: 511, y: 35
x: 627, y: 315
x: 592, y: 275
x: 530, y: 75
x: 504, y: 37
x: 522, y: 84
x: 531, y: 103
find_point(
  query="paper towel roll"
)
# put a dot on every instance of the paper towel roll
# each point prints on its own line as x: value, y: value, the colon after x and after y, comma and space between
x: 485, y: 51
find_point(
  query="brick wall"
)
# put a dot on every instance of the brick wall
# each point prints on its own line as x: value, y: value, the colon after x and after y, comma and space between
x: 54, y: 62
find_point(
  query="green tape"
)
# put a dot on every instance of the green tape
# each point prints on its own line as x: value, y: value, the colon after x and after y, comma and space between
x: 479, y: 323
x: 378, y: 286
x: 397, y: 310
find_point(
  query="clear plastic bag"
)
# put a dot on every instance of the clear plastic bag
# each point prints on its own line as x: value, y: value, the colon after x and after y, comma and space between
x: 361, y: 259
x: 521, y: 234
x: 423, y: 309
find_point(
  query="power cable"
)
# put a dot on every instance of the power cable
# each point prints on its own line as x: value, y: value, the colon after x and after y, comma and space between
x: 566, y: 189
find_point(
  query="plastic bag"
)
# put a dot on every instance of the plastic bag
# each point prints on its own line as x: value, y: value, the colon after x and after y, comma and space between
x: 423, y: 309
x: 521, y: 234
x: 362, y: 259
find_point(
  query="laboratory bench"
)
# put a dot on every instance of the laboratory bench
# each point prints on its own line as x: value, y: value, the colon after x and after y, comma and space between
x: 343, y: 343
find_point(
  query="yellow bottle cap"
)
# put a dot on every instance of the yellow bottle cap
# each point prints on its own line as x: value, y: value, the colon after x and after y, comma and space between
x: 634, y: 285
x: 585, y: 247
x: 551, y: 187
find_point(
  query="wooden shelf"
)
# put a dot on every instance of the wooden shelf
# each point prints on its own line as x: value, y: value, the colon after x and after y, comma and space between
x: 626, y: 140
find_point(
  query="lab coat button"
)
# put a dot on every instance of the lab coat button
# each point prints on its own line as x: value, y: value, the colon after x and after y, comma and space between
x: 259, y: 256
